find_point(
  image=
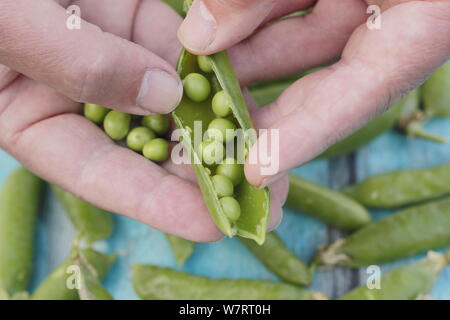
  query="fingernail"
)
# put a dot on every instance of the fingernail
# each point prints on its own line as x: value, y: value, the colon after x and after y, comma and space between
x: 198, y: 30
x: 160, y: 91
x: 272, y: 179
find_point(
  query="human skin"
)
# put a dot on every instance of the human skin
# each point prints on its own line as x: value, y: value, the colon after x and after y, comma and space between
x: 372, y: 69
x: 47, y: 71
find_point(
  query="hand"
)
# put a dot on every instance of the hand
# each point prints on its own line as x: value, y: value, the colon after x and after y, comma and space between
x: 46, y: 70
x: 375, y: 67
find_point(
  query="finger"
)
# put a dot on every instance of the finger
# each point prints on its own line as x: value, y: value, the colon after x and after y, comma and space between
x: 85, y: 64
x: 312, y: 40
x: 68, y: 150
x: 278, y: 194
x: 214, y: 25
x: 328, y: 105
x: 149, y: 23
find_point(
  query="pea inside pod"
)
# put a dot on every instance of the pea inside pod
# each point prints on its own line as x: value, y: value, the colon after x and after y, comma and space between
x: 249, y: 218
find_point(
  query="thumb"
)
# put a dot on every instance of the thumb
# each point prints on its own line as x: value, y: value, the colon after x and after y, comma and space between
x: 215, y: 25
x: 85, y: 64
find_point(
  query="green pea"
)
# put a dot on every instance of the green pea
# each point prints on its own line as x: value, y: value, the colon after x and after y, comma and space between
x: 231, y: 208
x: 232, y: 170
x: 223, y: 186
x: 204, y: 63
x: 138, y: 137
x: 117, y: 124
x: 222, y: 130
x: 20, y: 199
x: 278, y: 259
x: 221, y: 104
x: 212, y: 151
x: 197, y: 87
x: 95, y: 112
x: 158, y: 123
x: 156, y: 150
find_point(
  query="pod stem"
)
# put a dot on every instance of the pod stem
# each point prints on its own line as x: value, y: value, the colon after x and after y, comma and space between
x: 330, y: 255
x: 415, y: 129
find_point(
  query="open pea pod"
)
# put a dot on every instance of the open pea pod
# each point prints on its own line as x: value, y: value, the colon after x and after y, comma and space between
x: 254, y: 203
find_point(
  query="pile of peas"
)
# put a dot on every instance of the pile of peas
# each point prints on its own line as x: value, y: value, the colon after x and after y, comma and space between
x: 228, y: 173
x: 147, y: 138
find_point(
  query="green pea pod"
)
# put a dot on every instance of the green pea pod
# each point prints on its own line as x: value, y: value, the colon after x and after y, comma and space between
x: 19, y: 206
x: 278, y: 259
x: 55, y: 287
x: 156, y: 283
x: 406, y: 233
x: 363, y: 136
x: 91, y: 222
x: 332, y: 207
x: 254, y: 203
x: 400, y: 188
x: 410, y: 282
x: 90, y: 288
x: 182, y: 249
x: 436, y: 93
x: 176, y: 5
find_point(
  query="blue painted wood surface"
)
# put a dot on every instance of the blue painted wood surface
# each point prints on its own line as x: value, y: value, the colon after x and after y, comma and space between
x: 138, y: 243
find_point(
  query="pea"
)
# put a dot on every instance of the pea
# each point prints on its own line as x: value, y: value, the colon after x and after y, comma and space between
x: 204, y: 63
x: 156, y: 150
x: 212, y: 151
x: 223, y: 186
x: 158, y: 123
x: 95, y: 112
x: 231, y: 208
x: 232, y: 170
x: 222, y: 130
x: 197, y: 87
x: 138, y: 137
x: 221, y: 104
x: 117, y: 124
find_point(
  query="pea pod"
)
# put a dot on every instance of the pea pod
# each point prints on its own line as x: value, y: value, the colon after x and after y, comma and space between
x: 55, y: 286
x: 182, y: 249
x: 278, y: 259
x: 156, y: 283
x: 177, y: 5
x: 405, y: 283
x: 436, y: 93
x: 91, y: 222
x: 399, y: 188
x: 19, y: 206
x: 406, y: 233
x: 90, y: 288
x: 332, y: 207
x: 254, y: 203
x: 373, y: 129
